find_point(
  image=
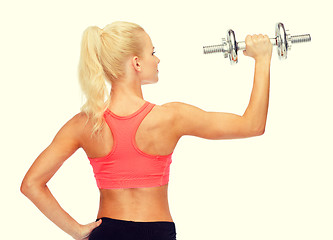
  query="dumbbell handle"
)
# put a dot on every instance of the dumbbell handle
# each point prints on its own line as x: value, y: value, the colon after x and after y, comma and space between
x: 294, y: 39
x: 242, y: 45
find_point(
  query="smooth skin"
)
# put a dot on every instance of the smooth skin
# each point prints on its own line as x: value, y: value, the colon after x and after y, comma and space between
x: 158, y: 134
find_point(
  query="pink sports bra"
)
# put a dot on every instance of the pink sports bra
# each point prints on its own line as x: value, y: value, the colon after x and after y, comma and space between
x: 126, y: 166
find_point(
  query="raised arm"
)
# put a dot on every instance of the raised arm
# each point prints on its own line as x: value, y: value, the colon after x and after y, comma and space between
x: 33, y: 186
x: 191, y: 120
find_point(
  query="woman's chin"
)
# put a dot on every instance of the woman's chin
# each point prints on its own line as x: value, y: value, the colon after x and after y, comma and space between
x: 144, y: 82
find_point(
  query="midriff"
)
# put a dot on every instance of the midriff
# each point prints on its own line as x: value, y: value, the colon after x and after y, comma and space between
x: 135, y: 204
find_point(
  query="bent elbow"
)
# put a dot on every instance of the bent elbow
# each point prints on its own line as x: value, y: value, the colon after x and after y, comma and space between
x: 259, y: 131
x: 27, y: 186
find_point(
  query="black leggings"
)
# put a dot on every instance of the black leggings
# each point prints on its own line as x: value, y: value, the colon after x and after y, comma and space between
x: 115, y: 229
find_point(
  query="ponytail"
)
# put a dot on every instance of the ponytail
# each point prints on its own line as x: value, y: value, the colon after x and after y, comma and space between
x: 91, y: 77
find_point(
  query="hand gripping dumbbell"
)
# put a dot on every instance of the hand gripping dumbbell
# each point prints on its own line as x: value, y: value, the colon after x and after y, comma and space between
x: 282, y: 40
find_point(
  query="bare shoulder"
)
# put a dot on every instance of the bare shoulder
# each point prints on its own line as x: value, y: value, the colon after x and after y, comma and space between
x: 176, y: 109
x: 79, y: 121
x: 181, y: 110
x: 179, y: 107
x: 163, y: 114
x: 77, y: 126
x: 181, y: 114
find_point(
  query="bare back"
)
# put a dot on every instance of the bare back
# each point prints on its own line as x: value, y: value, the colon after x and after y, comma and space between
x: 154, y: 136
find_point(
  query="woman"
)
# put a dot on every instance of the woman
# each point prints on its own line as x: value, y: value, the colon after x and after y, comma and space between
x: 130, y: 141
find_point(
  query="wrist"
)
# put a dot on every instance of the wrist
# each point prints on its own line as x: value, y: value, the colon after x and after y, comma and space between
x: 263, y: 60
x: 77, y: 232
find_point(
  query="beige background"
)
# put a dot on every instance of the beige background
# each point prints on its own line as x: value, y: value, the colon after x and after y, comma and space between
x: 276, y: 186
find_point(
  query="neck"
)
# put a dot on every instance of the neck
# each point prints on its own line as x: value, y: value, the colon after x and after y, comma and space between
x: 126, y: 91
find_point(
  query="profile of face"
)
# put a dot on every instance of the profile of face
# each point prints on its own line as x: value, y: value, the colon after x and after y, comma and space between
x: 149, y: 62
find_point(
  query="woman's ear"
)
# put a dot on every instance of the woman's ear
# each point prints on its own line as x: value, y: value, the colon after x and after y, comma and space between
x: 136, y: 64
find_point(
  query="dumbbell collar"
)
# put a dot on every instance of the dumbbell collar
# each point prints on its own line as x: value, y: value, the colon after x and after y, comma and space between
x: 232, y: 48
x: 283, y: 40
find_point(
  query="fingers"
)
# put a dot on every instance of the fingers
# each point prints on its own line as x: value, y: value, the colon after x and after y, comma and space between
x: 85, y: 230
x: 248, y: 39
x: 255, y: 37
x: 99, y: 222
x: 94, y: 225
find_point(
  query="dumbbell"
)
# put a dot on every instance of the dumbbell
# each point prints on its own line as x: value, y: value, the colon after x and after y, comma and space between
x: 282, y: 40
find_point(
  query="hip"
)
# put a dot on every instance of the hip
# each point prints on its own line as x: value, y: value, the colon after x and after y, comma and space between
x: 111, y: 228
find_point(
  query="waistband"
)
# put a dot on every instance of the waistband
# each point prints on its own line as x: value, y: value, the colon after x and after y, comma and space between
x: 120, y: 222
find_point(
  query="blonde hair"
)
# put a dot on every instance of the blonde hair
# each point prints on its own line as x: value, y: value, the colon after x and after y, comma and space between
x: 102, y: 58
